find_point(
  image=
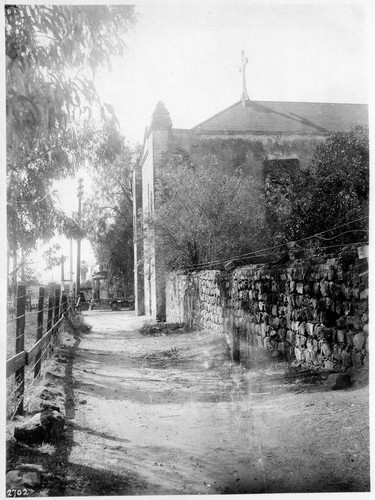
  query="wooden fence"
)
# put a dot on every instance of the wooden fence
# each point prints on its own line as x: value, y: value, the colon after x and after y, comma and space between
x: 59, y: 306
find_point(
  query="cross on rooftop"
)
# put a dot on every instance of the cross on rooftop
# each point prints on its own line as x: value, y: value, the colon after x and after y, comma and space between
x: 244, y: 61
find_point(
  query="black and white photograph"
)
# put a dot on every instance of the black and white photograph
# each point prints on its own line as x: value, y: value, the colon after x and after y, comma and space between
x: 186, y: 268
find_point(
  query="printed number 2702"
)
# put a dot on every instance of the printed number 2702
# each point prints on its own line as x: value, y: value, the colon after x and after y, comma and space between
x: 13, y: 492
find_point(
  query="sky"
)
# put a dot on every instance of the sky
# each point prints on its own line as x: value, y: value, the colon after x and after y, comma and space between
x: 188, y: 55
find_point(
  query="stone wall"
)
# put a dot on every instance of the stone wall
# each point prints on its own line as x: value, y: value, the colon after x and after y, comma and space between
x: 314, y: 312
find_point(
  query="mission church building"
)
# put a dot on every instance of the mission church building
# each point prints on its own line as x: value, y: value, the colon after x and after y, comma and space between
x: 265, y: 138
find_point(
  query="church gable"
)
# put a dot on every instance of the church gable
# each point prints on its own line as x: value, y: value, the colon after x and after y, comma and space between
x: 285, y: 117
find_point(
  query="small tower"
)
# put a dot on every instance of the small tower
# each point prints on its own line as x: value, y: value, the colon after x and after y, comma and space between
x: 160, y: 118
x: 157, y: 140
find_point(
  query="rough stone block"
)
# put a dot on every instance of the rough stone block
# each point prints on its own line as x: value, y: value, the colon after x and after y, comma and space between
x: 295, y: 325
x: 356, y: 293
x: 310, y: 328
x: 326, y: 334
x: 315, y: 345
x: 281, y: 347
x: 282, y: 333
x: 263, y: 330
x: 325, y: 349
x: 307, y: 357
x: 291, y: 337
x: 366, y: 362
x: 340, y: 336
x: 337, y: 381
x: 349, y: 334
x: 328, y: 364
x: 346, y: 358
x: 299, y: 288
x: 303, y: 341
x: 19, y: 479
x: 310, y: 344
x: 297, y: 340
x: 359, y: 340
x: 41, y: 427
x: 324, y: 288
x: 266, y: 343
x: 302, y: 328
x: 357, y: 359
x: 298, y: 353
x: 298, y: 299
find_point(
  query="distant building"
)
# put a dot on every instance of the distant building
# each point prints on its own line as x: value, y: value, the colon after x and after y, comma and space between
x: 265, y: 138
x: 100, y: 284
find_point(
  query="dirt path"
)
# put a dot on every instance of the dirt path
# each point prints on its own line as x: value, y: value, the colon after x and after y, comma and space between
x: 170, y: 415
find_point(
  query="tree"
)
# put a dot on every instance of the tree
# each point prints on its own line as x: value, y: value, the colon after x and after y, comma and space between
x: 84, y: 268
x: 52, y: 53
x: 53, y: 257
x: 205, y: 212
x: 108, y: 213
x: 334, y: 191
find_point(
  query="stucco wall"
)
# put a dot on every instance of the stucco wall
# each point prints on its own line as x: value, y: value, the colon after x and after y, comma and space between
x: 315, y: 312
x: 250, y: 151
x: 156, y: 144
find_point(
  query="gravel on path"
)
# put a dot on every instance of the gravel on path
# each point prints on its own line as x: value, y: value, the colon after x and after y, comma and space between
x: 170, y: 414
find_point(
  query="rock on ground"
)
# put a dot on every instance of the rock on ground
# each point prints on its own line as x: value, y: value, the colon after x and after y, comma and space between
x: 338, y: 381
x: 42, y: 427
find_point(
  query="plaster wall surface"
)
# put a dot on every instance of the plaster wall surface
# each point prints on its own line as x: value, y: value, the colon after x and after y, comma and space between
x: 156, y: 144
x: 148, y: 242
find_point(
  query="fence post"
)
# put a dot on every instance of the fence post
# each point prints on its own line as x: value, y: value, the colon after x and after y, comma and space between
x: 39, y: 331
x: 20, y: 344
x: 64, y: 302
x: 57, y: 308
x: 50, y: 313
x: 51, y: 304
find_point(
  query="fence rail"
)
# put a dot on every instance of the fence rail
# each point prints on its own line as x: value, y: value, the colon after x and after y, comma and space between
x: 59, y: 307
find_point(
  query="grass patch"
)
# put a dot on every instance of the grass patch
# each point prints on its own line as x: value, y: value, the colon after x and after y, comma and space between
x: 76, y: 323
x: 162, y: 329
x: 46, y: 448
x: 73, y: 325
x: 31, y: 323
x: 162, y: 359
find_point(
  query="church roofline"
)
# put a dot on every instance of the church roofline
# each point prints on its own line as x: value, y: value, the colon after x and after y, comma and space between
x: 269, y: 103
x: 253, y: 132
x: 217, y: 114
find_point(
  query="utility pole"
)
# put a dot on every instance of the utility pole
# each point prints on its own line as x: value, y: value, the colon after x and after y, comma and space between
x: 62, y: 272
x: 78, y: 277
x: 62, y: 281
x: 71, y: 269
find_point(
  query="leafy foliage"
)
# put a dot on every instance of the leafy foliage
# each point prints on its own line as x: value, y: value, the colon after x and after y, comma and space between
x: 52, y: 256
x: 52, y: 53
x: 44, y: 42
x: 204, y: 213
x: 32, y: 212
x: 108, y: 213
x: 333, y: 192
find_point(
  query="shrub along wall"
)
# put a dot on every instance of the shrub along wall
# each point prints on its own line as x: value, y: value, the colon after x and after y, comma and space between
x: 313, y: 311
